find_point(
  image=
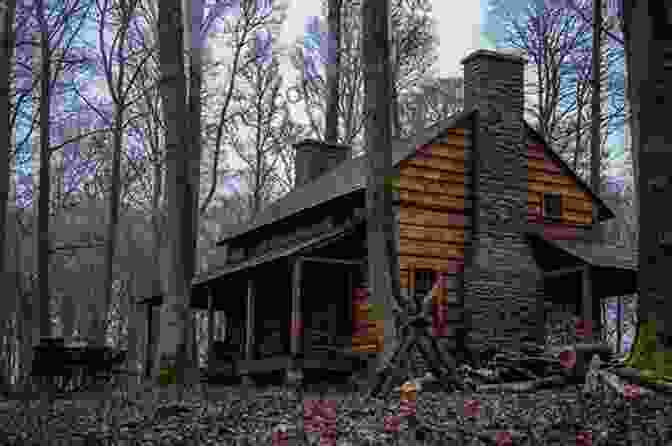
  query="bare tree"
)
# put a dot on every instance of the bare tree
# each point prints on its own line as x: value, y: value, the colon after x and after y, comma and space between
x: 415, y: 54
x: 333, y: 70
x: 263, y: 113
x: 114, y: 54
x: 596, y: 115
x: 172, y: 346
x: 430, y: 102
x: 557, y: 42
x: 7, y: 12
x: 239, y: 33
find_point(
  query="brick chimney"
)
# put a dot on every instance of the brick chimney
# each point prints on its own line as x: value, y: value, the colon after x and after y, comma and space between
x: 314, y: 158
x: 502, y: 281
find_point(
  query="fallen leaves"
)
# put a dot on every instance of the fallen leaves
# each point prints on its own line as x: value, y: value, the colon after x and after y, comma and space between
x: 269, y: 417
x: 472, y: 408
x: 568, y: 358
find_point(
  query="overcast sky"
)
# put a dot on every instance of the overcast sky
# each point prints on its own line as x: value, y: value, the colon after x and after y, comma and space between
x: 458, y: 28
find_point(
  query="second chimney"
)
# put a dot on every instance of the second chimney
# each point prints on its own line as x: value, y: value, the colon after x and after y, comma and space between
x: 314, y: 158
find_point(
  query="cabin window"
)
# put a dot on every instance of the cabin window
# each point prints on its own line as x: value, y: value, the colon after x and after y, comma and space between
x: 552, y: 205
x: 424, y: 281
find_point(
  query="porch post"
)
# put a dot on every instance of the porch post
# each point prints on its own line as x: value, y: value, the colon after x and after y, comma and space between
x: 296, y: 330
x: 541, y: 312
x: 249, y: 331
x: 249, y: 328
x: 587, y: 294
x: 211, y: 328
x: 349, y: 308
x: 148, y: 344
x: 582, y: 359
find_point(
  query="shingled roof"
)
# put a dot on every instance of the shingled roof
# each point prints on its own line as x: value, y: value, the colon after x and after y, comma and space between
x: 350, y: 176
x: 347, y: 177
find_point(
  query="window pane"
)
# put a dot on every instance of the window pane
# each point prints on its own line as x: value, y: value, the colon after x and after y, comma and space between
x: 552, y: 205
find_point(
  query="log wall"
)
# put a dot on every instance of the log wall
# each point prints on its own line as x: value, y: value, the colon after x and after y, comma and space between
x: 435, y: 218
x: 547, y: 175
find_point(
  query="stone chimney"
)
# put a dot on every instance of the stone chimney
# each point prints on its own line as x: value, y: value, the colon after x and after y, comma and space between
x: 502, y: 281
x: 314, y: 158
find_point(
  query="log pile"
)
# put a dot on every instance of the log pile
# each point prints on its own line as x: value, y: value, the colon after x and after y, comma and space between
x: 528, y: 369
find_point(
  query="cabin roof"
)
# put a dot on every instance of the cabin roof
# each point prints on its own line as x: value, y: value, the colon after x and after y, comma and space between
x: 313, y: 243
x: 343, y: 179
x: 350, y: 176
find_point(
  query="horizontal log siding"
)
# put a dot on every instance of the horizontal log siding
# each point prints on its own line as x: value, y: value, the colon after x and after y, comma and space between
x: 546, y: 175
x: 435, y: 219
x: 434, y: 204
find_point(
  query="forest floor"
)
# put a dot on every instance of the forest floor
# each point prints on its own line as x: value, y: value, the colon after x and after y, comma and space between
x: 240, y: 415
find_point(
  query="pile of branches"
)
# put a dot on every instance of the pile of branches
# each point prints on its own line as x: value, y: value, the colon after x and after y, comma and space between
x: 530, y: 368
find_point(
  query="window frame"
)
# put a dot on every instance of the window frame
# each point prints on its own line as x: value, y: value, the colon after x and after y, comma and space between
x: 545, y: 208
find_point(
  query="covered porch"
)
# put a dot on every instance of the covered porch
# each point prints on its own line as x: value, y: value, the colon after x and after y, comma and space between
x: 286, y: 310
x: 579, y: 274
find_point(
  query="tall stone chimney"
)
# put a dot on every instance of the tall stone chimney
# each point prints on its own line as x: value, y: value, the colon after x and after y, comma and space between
x: 502, y: 281
x: 314, y: 158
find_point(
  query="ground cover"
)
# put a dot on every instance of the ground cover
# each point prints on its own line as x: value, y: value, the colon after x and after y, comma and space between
x: 237, y: 415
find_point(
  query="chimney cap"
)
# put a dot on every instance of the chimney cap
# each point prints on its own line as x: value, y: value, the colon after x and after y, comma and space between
x: 500, y: 54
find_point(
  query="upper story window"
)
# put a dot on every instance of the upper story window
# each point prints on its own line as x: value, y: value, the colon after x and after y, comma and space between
x: 552, y: 205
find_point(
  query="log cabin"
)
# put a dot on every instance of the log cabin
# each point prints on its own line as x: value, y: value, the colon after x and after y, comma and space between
x: 479, y: 198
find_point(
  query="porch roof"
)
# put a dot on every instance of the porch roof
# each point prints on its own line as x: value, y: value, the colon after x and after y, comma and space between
x: 313, y: 243
x: 604, y: 255
x: 614, y: 267
x: 600, y: 254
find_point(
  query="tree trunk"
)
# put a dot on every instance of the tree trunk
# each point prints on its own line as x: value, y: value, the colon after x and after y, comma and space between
x: 45, y: 180
x: 333, y: 67
x: 380, y: 218
x: 173, y: 93
x: 632, y: 122
x: 596, y: 112
x: 156, y: 289
x: 195, y: 40
x: 113, y: 211
x: 647, y: 38
x: 394, y: 98
x: 136, y: 324
x: 6, y: 52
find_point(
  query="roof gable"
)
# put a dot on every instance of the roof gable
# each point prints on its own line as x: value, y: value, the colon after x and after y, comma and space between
x: 605, y: 212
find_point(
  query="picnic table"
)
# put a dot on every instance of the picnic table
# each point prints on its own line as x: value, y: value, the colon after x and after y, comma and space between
x: 68, y: 368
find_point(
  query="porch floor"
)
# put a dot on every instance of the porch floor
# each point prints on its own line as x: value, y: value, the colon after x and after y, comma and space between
x: 328, y: 359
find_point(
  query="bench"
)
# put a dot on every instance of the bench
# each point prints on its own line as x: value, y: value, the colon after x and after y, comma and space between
x: 69, y: 369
